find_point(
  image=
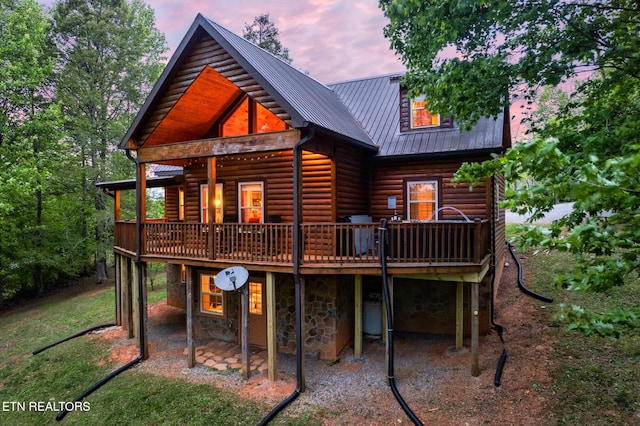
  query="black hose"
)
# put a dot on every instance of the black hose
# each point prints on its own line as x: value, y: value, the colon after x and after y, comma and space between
x: 141, y: 306
x: 98, y: 384
x: 81, y: 333
x: 387, y: 298
x: 297, y: 213
x: 520, y: 284
x: 498, y: 376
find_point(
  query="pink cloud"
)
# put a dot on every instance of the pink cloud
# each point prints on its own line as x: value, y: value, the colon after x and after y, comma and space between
x: 332, y: 40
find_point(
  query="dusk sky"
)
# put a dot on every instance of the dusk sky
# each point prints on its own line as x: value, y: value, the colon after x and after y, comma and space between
x: 332, y: 40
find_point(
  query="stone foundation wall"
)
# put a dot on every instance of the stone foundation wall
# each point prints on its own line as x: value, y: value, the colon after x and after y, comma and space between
x: 176, y: 289
x: 225, y: 328
x: 328, y: 321
x: 429, y: 306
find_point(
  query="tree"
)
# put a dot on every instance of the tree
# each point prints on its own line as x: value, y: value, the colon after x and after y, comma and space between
x: 32, y: 252
x: 110, y: 55
x: 263, y: 33
x: 587, y: 152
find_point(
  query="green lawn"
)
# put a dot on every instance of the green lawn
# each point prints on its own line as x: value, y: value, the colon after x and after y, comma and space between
x: 63, y: 372
x: 596, y: 379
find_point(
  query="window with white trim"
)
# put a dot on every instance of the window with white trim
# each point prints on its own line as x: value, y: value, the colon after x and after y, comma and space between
x: 211, y: 297
x: 204, y: 203
x: 422, y: 199
x: 421, y: 117
x: 250, y: 202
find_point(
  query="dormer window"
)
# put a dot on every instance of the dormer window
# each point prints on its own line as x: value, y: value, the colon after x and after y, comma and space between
x: 421, y: 117
x: 415, y: 116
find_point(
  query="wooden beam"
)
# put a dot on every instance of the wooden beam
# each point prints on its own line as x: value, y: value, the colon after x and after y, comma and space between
x: 273, y: 141
x: 357, y: 337
x: 140, y: 317
x: 246, y: 370
x: 468, y: 277
x: 211, y: 195
x: 459, y: 314
x: 118, y: 287
x: 141, y: 192
x: 475, y: 329
x: 116, y: 205
x: 271, y: 326
x: 303, y: 315
x: 191, y: 349
x: 127, y: 300
x: 144, y: 313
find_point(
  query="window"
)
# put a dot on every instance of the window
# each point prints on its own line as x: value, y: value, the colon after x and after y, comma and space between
x: 250, y: 117
x: 181, y: 203
x: 255, y: 298
x: 422, y: 199
x: 211, y: 297
x: 204, y: 203
x: 420, y: 115
x: 238, y: 122
x: 266, y: 121
x: 250, y: 202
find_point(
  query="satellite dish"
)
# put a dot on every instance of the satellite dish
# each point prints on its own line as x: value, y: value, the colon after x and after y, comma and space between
x: 231, y: 278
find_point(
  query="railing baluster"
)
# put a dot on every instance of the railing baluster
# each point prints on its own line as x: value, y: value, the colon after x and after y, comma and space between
x: 322, y: 243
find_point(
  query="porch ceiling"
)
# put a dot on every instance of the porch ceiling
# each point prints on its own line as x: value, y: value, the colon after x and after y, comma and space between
x: 207, y: 98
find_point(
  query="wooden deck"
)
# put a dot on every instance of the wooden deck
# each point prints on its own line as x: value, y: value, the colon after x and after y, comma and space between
x: 327, y: 247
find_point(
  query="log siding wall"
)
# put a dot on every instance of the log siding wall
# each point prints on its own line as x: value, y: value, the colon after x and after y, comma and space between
x: 207, y: 52
x: 275, y: 170
x: 352, y: 182
x: 389, y: 179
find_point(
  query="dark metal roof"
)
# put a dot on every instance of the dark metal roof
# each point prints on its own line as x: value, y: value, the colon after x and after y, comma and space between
x: 164, y: 170
x: 152, y: 182
x: 304, y: 98
x: 307, y: 101
x: 375, y: 103
x: 364, y: 111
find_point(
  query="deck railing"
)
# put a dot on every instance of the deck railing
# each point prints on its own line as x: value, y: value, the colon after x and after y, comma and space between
x: 323, y: 243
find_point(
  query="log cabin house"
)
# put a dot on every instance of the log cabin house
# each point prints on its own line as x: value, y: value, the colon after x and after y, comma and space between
x: 288, y: 177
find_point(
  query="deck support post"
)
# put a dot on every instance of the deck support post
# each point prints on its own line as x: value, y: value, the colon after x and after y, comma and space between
x: 244, y: 296
x: 475, y: 329
x: 127, y: 300
x: 118, y: 287
x: 303, y: 315
x: 141, y: 335
x: 459, y: 314
x: 191, y: 350
x: 271, y: 326
x: 357, y: 338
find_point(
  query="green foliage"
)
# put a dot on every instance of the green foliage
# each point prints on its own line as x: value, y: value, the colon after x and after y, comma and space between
x: 584, y: 144
x: 110, y: 55
x: 63, y: 372
x: 263, y: 33
x: 30, y: 154
x: 69, y: 86
x: 607, y: 324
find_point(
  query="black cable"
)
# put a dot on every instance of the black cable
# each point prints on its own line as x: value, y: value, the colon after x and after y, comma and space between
x: 81, y: 333
x: 521, y: 285
x: 387, y: 297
